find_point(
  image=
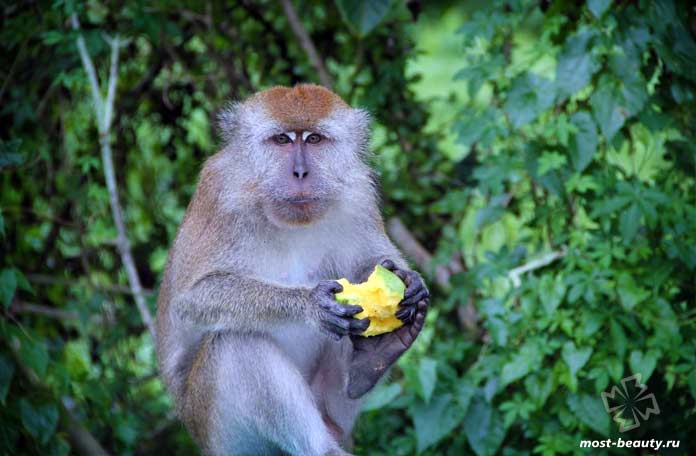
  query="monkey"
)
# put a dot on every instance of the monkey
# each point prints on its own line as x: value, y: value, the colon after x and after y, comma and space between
x: 257, y: 354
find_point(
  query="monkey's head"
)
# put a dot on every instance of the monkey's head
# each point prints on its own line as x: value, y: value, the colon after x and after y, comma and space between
x: 299, y: 151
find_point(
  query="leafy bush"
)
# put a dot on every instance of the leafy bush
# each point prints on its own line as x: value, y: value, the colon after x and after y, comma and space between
x: 579, y: 126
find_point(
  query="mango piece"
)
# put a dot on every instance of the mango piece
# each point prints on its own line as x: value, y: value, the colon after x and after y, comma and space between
x: 379, y: 297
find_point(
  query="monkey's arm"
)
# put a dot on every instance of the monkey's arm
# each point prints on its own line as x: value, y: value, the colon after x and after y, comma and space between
x: 372, y: 356
x: 226, y: 300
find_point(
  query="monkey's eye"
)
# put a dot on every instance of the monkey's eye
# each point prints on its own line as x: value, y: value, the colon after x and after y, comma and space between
x: 313, y: 138
x: 282, y: 139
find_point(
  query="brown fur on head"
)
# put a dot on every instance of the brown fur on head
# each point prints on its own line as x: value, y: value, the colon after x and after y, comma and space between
x: 336, y: 169
x: 300, y: 107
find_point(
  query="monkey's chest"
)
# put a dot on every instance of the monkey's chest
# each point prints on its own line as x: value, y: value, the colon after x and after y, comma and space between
x: 301, y: 268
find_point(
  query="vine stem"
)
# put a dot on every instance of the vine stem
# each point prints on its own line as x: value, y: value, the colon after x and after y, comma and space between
x: 104, y: 108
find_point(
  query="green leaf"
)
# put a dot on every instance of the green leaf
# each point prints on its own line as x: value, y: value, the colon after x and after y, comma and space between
x: 6, y: 373
x: 31, y: 350
x: 550, y: 161
x: 39, y: 420
x: 10, y: 153
x: 8, y: 286
x: 484, y: 427
x: 363, y: 15
x: 598, y: 7
x: 576, y: 65
x: 618, y: 338
x: 381, y: 396
x: 427, y: 377
x: 434, y: 420
x: 616, y: 100
x: 2, y: 225
x: 551, y: 292
x: 590, y: 411
x: 643, y: 364
x: 583, y: 144
x: 575, y: 357
x: 644, y: 155
x: 529, y: 96
x: 611, y: 205
x: 630, y: 294
x: 629, y: 221
x: 465, y: 392
x: 126, y: 428
x: 539, y: 387
x: 489, y: 214
x: 77, y: 358
x: 525, y: 360
x: 691, y: 379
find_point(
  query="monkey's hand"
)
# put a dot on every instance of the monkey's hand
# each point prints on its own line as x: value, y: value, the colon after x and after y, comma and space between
x: 372, y: 356
x: 336, y: 320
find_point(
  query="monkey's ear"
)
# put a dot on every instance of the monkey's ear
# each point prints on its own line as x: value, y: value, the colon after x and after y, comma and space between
x: 228, y: 122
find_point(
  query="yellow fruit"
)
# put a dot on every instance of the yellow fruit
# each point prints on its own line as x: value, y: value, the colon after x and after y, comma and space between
x: 379, y: 297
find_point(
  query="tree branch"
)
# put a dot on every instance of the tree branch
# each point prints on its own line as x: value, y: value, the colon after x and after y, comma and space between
x: 307, y: 44
x: 113, y: 78
x: 408, y: 243
x: 89, y: 68
x: 37, y: 309
x: 514, y: 274
x: 104, y: 114
x: 83, y: 441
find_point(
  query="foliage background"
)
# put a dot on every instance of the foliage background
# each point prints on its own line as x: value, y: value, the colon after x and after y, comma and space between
x: 505, y: 132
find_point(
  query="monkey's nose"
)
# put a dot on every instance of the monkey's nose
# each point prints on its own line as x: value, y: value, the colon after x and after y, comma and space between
x: 299, y: 172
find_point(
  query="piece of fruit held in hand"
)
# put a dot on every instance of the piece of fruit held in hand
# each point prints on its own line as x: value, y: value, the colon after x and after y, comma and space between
x: 379, y: 297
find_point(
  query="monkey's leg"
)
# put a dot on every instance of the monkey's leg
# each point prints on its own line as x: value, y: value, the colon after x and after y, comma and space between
x: 329, y: 388
x: 261, y: 404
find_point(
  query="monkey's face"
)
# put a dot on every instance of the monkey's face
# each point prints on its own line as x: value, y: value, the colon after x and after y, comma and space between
x: 302, y: 149
x: 308, y: 176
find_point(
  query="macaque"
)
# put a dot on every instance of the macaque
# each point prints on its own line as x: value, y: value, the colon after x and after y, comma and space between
x: 258, y: 355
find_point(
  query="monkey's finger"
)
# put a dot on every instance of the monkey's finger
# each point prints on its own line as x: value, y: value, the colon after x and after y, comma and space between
x: 406, y: 314
x: 359, y: 326
x: 330, y: 286
x: 388, y: 264
x: 339, y: 326
x: 414, y: 284
x: 403, y: 275
x: 336, y: 308
x: 413, y: 300
x: 420, y: 316
x: 341, y: 310
x: 335, y: 324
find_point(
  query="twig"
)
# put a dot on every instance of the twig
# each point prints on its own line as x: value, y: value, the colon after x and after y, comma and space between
x: 45, y: 279
x: 104, y: 111
x: 307, y: 44
x: 514, y: 274
x: 10, y: 74
x: 83, y: 441
x: 45, y: 311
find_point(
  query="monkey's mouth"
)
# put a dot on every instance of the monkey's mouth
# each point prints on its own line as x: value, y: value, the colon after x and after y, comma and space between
x: 301, y: 200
